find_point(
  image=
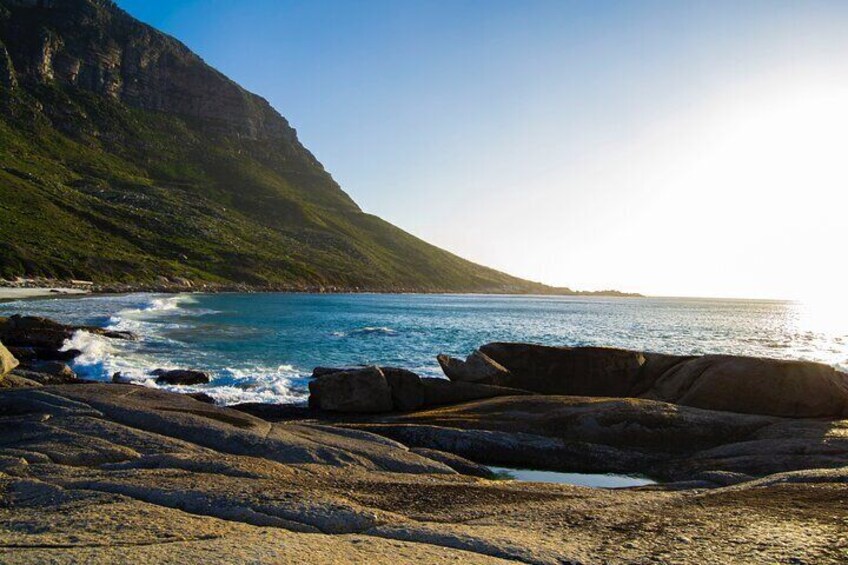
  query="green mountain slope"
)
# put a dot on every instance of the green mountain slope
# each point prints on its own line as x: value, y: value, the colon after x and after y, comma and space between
x: 125, y: 158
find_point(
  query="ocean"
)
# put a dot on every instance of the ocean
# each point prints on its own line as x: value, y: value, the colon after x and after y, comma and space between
x: 263, y: 347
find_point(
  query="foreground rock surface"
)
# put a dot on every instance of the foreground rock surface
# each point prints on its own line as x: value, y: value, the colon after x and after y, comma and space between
x: 103, y: 473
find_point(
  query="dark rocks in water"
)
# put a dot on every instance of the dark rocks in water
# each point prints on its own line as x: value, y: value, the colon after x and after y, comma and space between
x: 7, y: 361
x: 180, y: 377
x: 360, y: 390
x: 28, y: 354
x: 477, y: 368
x: 749, y: 385
x: 46, y: 337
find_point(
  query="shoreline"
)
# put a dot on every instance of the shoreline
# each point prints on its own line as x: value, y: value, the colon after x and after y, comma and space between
x: 50, y: 285
x: 14, y: 294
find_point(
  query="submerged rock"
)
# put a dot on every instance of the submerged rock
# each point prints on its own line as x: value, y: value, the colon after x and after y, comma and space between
x: 180, y: 377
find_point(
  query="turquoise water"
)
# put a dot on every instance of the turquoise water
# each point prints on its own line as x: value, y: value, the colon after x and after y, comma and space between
x: 260, y: 347
x: 595, y: 480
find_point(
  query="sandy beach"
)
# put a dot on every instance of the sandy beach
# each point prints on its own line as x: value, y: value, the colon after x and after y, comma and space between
x: 8, y: 293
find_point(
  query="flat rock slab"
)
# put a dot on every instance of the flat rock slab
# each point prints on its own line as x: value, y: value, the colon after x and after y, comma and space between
x: 105, y: 473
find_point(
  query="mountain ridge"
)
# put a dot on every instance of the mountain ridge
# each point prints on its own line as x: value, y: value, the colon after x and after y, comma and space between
x: 126, y: 159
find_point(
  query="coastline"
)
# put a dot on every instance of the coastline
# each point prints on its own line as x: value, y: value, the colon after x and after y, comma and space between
x: 46, y: 287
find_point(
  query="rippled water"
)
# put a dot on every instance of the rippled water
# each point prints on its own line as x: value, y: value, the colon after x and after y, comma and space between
x: 260, y: 347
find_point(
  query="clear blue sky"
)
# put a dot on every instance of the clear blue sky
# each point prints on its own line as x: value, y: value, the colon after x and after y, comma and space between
x: 679, y: 148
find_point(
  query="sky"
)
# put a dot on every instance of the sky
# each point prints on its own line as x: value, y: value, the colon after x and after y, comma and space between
x: 662, y: 147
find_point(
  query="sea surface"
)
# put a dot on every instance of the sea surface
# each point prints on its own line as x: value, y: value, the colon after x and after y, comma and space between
x: 262, y: 347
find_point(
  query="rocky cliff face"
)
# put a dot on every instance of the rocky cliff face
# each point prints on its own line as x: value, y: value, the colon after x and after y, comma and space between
x: 94, y: 45
x: 124, y: 158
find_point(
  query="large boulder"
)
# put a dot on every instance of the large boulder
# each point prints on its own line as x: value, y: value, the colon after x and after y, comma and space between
x: 360, y: 390
x: 7, y: 361
x: 406, y: 388
x: 477, y: 368
x: 180, y: 377
x: 748, y: 385
x: 795, y: 389
x: 582, y: 371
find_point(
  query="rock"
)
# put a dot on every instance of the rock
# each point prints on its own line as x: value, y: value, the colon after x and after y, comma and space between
x: 7, y: 361
x: 29, y: 354
x: 201, y: 397
x: 275, y: 412
x: 34, y: 331
x: 362, y: 390
x: 406, y: 388
x: 581, y: 371
x: 180, y: 377
x: 112, y: 473
x: 55, y: 369
x: 629, y: 436
x: 45, y: 336
x: 749, y: 385
x: 477, y: 368
x: 438, y: 392
x: 14, y: 380
x: 457, y: 463
x: 57, y: 377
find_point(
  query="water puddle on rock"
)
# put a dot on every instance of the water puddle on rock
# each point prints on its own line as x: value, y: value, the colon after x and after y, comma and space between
x: 579, y: 479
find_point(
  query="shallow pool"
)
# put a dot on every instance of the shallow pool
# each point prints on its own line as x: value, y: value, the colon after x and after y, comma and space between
x: 580, y: 479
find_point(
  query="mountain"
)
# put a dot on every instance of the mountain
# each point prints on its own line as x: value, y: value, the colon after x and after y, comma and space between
x: 124, y: 158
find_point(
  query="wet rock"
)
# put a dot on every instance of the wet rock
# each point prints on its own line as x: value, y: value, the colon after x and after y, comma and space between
x: 201, y: 397
x: 29, y: 354
x: 46, y: 336
x: 477, y: 368
x: 362, y: 390
x: 180, y: 377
